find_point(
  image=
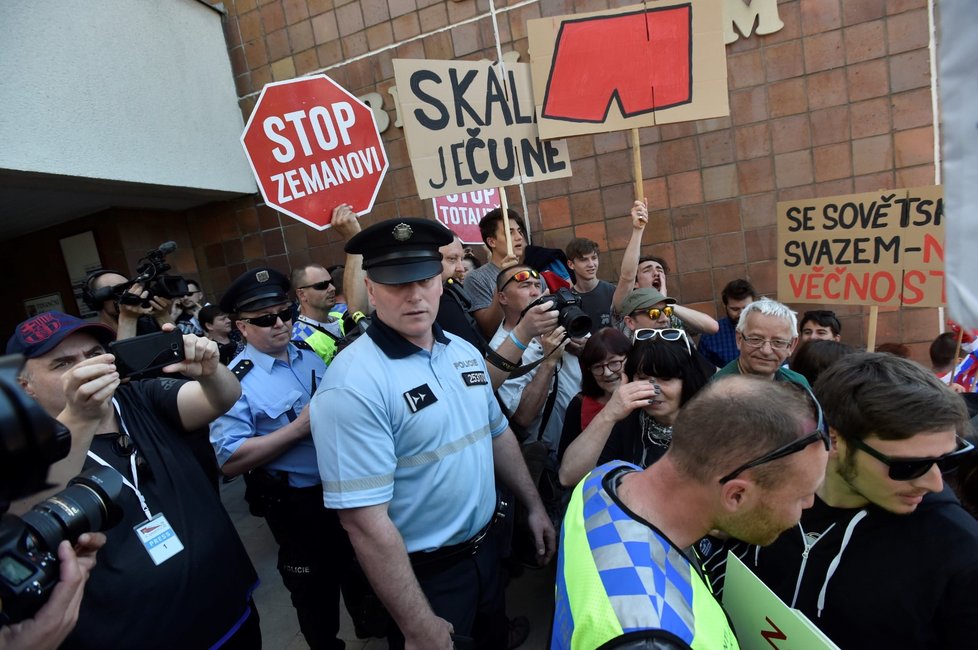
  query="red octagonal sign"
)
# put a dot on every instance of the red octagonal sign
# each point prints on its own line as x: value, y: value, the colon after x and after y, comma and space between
x: 312, y: 146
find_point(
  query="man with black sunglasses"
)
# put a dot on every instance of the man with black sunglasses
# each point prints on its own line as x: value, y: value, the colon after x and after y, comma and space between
x: 887, y: 557
x: 266, y: 436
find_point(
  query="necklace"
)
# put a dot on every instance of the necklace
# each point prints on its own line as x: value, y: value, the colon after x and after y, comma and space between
x: 657, y: 434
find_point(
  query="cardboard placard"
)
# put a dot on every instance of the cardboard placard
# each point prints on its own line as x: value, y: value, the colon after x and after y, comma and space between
x: 469, y: 126
x: 642, y: 65
x: 761, y: 620
x: 461, y: 213
x: 877, y: 248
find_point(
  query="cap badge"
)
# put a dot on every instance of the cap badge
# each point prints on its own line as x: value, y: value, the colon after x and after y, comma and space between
x: 261, y: 276
x: 402, y: 232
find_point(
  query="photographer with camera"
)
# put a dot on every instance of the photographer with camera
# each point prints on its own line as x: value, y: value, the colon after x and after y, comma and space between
x: 537, y: 400
x: 102, y: 292
x: 174, y: 571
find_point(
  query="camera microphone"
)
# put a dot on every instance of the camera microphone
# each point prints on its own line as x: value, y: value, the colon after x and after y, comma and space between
x: 167, y: 247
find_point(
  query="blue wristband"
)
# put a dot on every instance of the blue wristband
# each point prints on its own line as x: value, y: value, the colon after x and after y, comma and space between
x: 516, y: 341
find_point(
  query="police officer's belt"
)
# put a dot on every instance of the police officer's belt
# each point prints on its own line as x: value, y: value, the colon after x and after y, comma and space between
x: 446, y: 556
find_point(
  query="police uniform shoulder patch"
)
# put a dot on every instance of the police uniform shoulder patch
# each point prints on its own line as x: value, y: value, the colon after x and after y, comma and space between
x: 420, y: 397
x: 242, y: 368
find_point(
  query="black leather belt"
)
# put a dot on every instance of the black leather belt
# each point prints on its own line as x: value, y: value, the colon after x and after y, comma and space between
x: 444, y: 557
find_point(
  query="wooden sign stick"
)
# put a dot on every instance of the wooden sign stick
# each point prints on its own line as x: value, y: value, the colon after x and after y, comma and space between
x: 504, y: 206
x: 874, y: 312
x: 637, y: 167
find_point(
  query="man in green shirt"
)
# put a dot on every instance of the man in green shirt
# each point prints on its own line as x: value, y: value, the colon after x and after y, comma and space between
x: 766, y: 337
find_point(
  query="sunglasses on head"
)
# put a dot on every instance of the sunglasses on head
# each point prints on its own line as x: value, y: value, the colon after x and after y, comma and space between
x: 907, y: 469
x: 520, y: 276
x: 821, y: 433
x: 667, y: 334
x: 318, y: 286
x: 268, y: 320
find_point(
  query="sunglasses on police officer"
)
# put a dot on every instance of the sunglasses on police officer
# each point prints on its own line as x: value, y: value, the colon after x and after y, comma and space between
x: 318, y: 286
x: 907, y: 469
x: 268, y: 320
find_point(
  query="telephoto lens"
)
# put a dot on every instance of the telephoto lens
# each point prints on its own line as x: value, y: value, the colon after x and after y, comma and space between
x: 29, y: 544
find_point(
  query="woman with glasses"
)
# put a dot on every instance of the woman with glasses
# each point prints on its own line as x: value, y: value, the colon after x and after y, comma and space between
x: 602, y: 361
x: 662, y: 372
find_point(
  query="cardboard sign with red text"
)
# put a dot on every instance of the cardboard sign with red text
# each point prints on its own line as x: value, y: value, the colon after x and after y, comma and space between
x: 629, y: 67
x: 877, y: 248
x: 461, y: 213
x: 761, y: 620
x: 313, y: 146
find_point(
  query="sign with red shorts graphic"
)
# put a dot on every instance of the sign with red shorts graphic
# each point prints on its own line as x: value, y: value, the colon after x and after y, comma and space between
x: 313, y: 146
x: 461, y: 213
x: 630, y: 67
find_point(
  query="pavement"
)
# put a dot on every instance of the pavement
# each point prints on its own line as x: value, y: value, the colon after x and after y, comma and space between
x: 530, y: 595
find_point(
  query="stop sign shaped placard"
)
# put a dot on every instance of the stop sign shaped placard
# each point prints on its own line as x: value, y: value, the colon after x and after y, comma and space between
x: 313, y: 146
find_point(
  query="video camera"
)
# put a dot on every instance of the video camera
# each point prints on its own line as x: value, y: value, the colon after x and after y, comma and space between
x: 151, y: 274
x: 571, y: 316
x: 30, y: 442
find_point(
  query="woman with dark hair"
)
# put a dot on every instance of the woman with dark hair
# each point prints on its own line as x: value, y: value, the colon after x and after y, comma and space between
x: 602, y: 360
x: 814, y: 356
x: 662, y: 372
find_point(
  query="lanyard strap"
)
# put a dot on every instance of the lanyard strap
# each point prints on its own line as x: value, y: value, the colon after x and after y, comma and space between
x: 134, y: 484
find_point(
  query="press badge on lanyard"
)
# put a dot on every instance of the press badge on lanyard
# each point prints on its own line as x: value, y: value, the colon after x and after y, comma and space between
x: 155, y: 534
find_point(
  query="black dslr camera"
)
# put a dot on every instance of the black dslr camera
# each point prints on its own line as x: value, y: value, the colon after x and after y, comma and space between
x: 571, y: 316
x: 151, y: 273
x: 30, y: 442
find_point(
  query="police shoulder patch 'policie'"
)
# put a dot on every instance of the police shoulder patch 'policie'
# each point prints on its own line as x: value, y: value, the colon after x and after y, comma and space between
x: 475, y: 378
x: 419, y: 397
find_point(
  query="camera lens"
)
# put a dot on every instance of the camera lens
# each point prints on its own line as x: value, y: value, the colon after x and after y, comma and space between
x: 575, y: 321
x: 89, y: 503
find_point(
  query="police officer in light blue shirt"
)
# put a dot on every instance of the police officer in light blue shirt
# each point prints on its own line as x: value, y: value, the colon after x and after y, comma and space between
x: 409, y: 460
x: 265, y: 436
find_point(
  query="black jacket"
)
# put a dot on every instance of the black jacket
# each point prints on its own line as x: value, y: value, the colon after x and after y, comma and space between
x: 898, y: 581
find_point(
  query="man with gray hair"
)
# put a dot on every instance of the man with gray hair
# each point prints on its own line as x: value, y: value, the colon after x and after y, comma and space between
x: 766, y: 337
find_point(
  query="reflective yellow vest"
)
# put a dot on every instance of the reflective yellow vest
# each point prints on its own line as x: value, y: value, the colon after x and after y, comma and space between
x: 322, y: 343
x: 617, y: 576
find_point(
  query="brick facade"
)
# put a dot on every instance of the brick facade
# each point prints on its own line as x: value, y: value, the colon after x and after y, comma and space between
x: 836, y: 102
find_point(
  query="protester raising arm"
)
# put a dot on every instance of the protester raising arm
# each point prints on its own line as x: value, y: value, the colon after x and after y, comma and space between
x: 629, y: 261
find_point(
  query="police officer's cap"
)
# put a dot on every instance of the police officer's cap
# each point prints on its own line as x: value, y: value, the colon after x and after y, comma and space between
x: 398, y: 251
x: 256, y: 289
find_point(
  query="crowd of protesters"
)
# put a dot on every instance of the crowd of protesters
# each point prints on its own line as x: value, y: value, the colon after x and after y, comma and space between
x: 417, y: 425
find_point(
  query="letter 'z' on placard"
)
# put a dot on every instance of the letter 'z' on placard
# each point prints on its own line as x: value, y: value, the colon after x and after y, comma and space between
x: 313, y: 146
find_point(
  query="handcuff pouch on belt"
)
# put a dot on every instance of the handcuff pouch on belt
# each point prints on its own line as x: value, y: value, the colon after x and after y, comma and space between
x: 264, y: 490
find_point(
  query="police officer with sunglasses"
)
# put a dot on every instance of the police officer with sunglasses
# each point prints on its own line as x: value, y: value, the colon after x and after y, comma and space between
x: 886, y: 557
x: 266, y: 437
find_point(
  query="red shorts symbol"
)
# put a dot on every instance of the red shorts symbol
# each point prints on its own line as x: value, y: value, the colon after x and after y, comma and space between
x: 642, y: 60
